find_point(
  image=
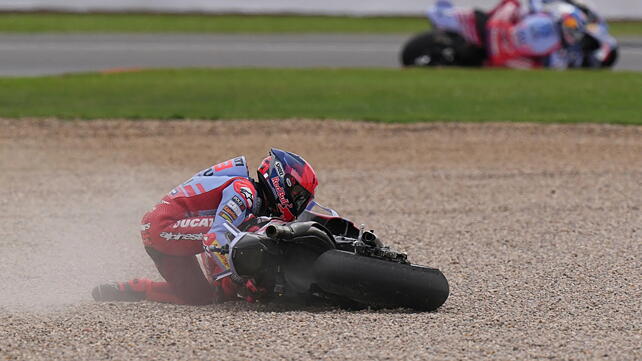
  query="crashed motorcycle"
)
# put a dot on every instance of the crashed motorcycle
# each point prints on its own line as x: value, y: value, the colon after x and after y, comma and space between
x: 458, y: 38
x: 322, y: 257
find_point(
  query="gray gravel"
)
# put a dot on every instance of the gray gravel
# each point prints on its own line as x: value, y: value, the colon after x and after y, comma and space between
x: 537, y: 228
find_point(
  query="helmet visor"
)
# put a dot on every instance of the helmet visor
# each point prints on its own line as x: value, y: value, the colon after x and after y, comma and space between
x: 300, y: 198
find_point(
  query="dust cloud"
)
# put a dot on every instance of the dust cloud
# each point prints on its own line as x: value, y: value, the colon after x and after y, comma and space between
x: 70, y: 221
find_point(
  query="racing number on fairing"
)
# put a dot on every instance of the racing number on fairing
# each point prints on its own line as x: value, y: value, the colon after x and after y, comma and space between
x: 224, y: 165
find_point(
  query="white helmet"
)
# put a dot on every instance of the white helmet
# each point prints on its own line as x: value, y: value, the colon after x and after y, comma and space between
x: 572, y: 20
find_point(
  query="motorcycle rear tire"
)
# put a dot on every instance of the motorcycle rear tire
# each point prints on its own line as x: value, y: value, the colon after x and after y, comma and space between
x: 380, y: 283
x: 439, y: 48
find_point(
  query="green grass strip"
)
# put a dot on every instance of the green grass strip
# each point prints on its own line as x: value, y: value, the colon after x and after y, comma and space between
x: 193, y: 23
x: 625, y: 28
x: 387, y: 95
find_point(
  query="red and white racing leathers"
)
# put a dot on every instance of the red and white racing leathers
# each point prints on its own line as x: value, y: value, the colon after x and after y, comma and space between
x: 190, y: 217
x: 522, y: 41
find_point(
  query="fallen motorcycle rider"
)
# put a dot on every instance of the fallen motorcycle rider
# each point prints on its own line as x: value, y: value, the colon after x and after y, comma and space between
x: 260, y: 239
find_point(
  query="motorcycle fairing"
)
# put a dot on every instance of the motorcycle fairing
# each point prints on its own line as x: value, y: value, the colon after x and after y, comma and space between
x: 336, y: 224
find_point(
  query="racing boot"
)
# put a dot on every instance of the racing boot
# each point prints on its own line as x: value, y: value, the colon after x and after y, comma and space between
x: 130, y: 291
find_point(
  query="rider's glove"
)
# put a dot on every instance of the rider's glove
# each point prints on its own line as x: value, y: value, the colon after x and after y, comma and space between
x: 249, y: 290
x: 224, y: 290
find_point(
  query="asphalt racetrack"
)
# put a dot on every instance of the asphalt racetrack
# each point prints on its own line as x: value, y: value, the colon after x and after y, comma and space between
x: 31, y: 55
x: 537, y: 228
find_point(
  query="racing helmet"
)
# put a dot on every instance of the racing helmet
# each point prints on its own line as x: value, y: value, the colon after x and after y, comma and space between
x: 289, y: 183
x: 572, y: 21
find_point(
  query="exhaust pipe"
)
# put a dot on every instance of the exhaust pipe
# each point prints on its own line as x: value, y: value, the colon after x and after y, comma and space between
x: 279, y: 232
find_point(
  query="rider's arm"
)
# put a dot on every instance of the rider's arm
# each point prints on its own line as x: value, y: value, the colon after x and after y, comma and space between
x: 235, y: 207
x: 557, y: 60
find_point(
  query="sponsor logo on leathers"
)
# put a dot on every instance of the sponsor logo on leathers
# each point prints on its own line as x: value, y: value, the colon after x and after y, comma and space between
x: 238, y: 201
x: 182, y: 236
x: 210, y: 240
x: 249, y: 198
x: 244, y: 188
x: 235, y: 207
x: 230, y: 212
x: 226, y: 216
x: 194, y: 222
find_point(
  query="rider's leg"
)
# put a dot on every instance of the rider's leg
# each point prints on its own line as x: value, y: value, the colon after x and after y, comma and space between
x: 172, y: 243
x: 185, y: 284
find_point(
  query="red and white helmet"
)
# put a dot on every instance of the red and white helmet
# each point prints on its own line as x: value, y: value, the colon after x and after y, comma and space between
x: 289, y: 183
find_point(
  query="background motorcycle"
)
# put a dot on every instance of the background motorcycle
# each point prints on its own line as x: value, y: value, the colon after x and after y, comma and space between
x: 458, y: 38
x: 326, y: 258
